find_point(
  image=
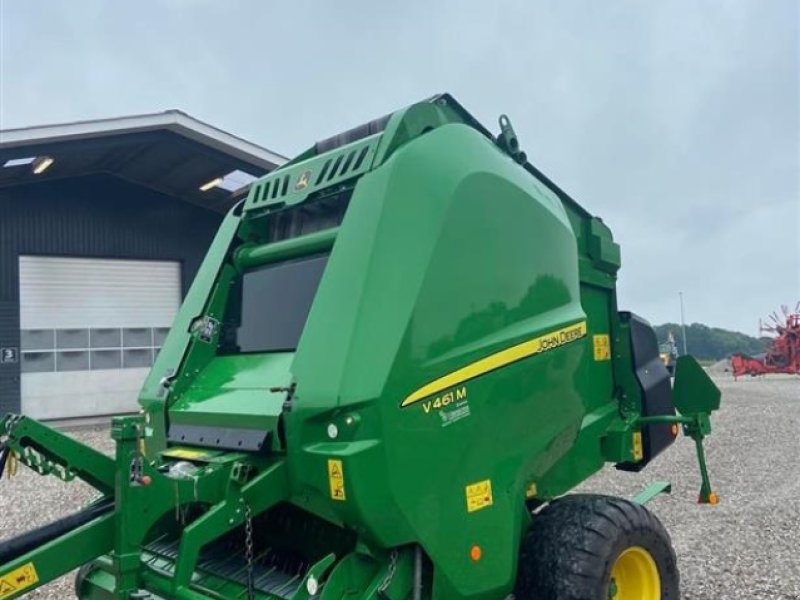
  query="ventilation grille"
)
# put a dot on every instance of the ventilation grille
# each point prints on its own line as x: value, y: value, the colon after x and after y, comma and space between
x: 294, y: 186
x: 340, y: 166
x: 272, y: 189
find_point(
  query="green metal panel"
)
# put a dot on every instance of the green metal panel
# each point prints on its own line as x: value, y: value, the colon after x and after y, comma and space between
x: 234, y: 391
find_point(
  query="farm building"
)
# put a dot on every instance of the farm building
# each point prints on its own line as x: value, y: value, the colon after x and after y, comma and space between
x: 103, y: 225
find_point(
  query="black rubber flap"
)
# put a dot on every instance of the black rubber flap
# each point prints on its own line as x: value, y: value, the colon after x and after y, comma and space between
x: 228, y: 438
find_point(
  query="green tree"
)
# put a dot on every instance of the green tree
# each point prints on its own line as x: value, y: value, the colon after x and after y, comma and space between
x: 712, y: 343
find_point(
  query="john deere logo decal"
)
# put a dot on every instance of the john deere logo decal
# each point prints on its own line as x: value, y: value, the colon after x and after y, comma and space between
x: 302, y: 181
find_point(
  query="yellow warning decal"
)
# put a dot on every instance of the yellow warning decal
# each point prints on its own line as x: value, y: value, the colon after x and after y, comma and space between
x: 479, y: 495
x: 537, y: 345
x: 17, y: 580
x: 531, y: 491
x: 336, y: 479
x: 638, y: 451
x: 602, y: 347
x: 186, y: 453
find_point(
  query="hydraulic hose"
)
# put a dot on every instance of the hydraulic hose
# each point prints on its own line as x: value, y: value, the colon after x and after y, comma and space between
x: 22, y: 544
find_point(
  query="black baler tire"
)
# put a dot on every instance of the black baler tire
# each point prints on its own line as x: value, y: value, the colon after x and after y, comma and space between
x: 571, y: 547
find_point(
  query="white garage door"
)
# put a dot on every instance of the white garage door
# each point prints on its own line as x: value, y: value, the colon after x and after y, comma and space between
x: 90, y: 330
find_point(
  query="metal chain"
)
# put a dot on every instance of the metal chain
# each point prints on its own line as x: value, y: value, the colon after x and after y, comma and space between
x: 248, y: 551
x: 387, y: 581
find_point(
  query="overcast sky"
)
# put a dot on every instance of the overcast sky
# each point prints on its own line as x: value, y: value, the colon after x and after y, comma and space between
x: 675, y: 121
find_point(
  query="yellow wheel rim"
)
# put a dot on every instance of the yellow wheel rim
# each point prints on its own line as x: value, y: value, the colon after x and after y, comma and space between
x: 634, y: 576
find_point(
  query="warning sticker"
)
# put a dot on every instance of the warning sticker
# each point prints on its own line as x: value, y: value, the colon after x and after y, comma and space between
x: 17, y: 580
x: 638, y: 452
x: 602, y: 347
x: 479, y: 495
x: 336, y: 479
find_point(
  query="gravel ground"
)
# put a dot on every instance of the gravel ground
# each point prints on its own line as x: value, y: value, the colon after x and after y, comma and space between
x: 746, y: 547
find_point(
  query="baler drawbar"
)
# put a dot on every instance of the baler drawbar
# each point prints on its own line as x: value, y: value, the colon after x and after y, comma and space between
x: 400, y: 354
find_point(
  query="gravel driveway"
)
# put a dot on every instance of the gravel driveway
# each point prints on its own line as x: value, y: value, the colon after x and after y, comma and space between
x: 746, y: 547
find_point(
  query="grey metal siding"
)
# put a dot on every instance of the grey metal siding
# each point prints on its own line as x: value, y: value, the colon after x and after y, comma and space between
x: 94, y: 216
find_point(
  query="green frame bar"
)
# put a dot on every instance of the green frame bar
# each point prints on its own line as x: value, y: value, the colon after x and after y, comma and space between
x: 249, y: 257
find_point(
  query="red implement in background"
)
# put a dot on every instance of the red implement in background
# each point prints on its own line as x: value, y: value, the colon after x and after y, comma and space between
x: 783, y: 354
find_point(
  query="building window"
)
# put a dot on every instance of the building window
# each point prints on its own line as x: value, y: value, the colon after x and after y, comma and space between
x: 58, y: 350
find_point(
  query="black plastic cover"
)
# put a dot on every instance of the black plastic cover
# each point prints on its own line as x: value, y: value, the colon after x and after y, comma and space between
x: 655, y: 386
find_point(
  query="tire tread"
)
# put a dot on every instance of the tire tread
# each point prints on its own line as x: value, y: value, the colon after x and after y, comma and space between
x: 568, y: 552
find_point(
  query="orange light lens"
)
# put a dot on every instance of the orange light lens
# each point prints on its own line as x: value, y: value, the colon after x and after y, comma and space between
x: 713, y: 499
x: 674, y: 430
x: 475, y: 553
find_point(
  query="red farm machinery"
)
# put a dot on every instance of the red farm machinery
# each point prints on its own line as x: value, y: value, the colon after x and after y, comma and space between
x: 783, y: 354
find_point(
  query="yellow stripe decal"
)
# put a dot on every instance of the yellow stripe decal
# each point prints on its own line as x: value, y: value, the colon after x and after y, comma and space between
x: 537, y: 345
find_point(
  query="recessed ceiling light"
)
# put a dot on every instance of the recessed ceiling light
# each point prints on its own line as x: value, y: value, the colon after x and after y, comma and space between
x: 19, y: 162
x: 211, y: 184
x: 42, y: 164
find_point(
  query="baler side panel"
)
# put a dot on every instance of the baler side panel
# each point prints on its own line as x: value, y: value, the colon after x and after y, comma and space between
x: 449, y: 252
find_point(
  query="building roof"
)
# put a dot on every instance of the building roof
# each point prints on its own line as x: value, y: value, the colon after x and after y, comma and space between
x: 170, y: 152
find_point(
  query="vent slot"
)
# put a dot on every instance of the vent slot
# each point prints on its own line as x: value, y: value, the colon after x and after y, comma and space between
x: 276, y: 186
x: 335, y: 167
x: 322, y: 172
x: 263, y: 192
x: 361, y: 156
x: 347, y: 162
x: 285, y: 185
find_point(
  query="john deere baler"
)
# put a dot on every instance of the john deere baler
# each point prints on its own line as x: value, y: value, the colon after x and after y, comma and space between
x: 401, y: 352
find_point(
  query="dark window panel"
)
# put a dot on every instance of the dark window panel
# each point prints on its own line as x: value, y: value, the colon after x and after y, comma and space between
x: 38, y: 362
x: 139, y: 337
x: 138, y: 358
x: 106, y: 338
x: 37, y: 339
x: 72, y: 338
x: 106, y: 359
x: 73, y: 360
x: 274, y: 303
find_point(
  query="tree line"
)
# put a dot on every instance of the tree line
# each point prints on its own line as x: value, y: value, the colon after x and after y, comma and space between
x: 712, y: 343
